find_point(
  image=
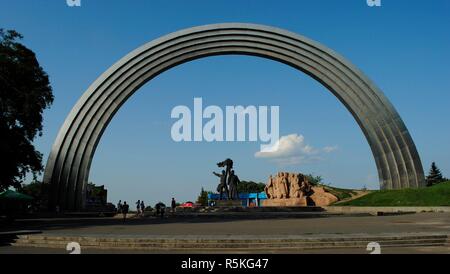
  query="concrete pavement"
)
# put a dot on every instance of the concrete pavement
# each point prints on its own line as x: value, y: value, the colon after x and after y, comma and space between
x: 305, y: 224
x: 269, y: 231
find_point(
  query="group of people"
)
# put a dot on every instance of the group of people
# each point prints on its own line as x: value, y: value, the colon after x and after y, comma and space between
x: 140, y: 208
x: 161, y: 208
x: 228, y: 181
x: 124, y: 208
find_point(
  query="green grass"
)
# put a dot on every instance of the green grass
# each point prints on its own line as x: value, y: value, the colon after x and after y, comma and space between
x: 437, y: 195
x: 340, y: 193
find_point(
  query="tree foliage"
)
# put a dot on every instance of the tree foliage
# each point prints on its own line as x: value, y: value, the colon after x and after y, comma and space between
x: 203, y: 197
x: 314, y: 180
x: 250, y: 187
x: 38, y: 191
x: 434, y: 175
x: 25, y: 93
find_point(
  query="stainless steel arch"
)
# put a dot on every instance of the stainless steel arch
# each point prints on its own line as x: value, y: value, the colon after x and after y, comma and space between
x: 67, y: 169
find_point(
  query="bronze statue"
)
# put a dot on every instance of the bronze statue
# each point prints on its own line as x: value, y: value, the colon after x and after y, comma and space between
x: 222, y: 185
x: 233, y: 186
x: 228, y: 164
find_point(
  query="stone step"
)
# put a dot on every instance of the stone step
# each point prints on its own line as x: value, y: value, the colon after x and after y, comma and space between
x: 222, y: 241
x: 155, y: 243
x: 443, y: 242
x: 228, y: 248
x: 212, y: 245
x: 250, y: 209
x: 250, y: 239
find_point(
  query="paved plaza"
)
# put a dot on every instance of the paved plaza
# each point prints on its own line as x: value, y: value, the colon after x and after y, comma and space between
x: 269, y: 227
x: 392, y: 250
x: 304, y: 224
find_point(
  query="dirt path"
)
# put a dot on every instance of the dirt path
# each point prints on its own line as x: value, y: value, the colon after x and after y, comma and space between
x: 359, y: 194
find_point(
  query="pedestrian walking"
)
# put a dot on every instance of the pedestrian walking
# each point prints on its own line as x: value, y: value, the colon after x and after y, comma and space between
x: 163, y: 210
x: 160, y: 209
x: 125, y: 209
x: 174, y: 205
x: 119, y: 207
x: 142, y: 208
x: 138, y: 207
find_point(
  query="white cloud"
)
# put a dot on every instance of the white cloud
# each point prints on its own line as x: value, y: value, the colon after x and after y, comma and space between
x: 292, y: 149
x: 330, y: 149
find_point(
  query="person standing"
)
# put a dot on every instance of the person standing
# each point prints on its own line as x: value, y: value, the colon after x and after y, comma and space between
x: 125, y: 209
x: 158, y: 208
x: 174, y: 205
x: 142, y: 208
x: 162, y: 210
x: 119, y: 207
x: 138, y: 207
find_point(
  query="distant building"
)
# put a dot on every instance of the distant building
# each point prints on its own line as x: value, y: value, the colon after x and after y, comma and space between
x: 247, y: 199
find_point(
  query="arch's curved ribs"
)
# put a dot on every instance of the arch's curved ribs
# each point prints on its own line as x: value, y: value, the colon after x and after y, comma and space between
x: 68, y: 166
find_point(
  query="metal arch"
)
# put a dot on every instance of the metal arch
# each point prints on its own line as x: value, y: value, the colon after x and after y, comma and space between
x: 67, y: 169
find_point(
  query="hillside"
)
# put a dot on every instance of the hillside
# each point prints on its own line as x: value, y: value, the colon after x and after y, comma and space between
x: 437, y: 195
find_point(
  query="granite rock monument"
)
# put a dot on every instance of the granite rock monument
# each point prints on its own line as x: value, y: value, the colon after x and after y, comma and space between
x: 294, y: 189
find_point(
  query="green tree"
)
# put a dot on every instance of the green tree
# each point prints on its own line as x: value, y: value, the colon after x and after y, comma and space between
x: 38, y: 191
x: 33, y: 189
x: 434, y: 175
x: 314, y: 180
x: 25, y: 93
x: 250, y: 187
x: 203, y: 198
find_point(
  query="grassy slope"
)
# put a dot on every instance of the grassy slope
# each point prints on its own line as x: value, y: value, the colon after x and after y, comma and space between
x: 438, y: 195
x: 340, y: 192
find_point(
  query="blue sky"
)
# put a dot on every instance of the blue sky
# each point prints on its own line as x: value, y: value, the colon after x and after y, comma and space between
x: 402, y: 46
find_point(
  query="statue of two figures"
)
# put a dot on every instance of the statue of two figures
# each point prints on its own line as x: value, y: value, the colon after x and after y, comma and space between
x: 228, y: 181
